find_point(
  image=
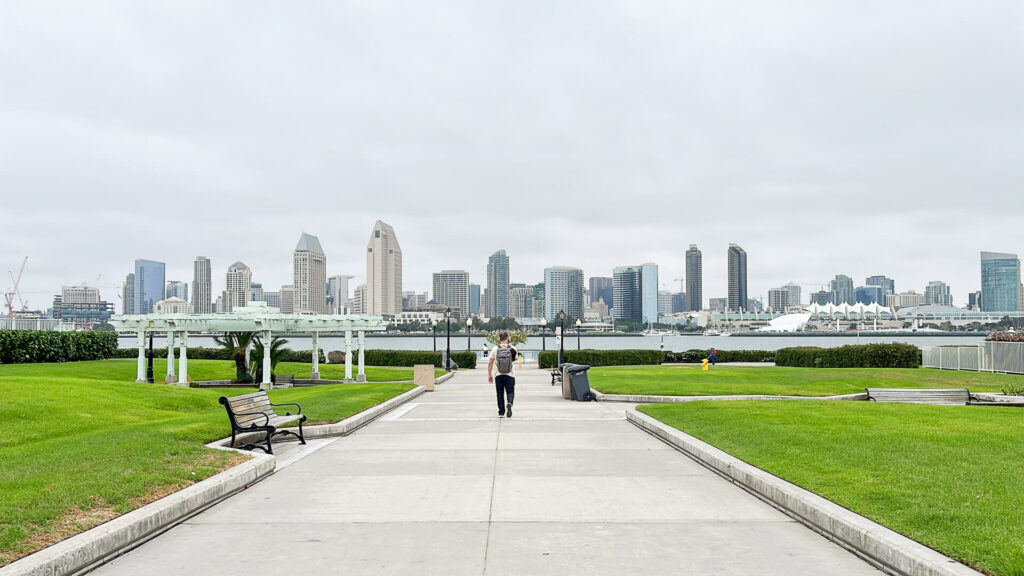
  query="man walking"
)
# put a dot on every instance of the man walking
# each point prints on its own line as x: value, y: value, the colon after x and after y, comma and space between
x: 504, y: 355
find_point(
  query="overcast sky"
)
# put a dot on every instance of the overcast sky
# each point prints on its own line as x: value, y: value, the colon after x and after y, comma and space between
x: 857, y: 138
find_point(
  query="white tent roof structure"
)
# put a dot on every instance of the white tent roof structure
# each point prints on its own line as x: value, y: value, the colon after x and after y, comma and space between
x: 787, y: 323
x: 862, y: 310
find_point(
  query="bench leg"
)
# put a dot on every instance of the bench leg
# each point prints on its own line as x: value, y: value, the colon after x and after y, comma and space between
x: 232, y: 438
x: 302, y: 437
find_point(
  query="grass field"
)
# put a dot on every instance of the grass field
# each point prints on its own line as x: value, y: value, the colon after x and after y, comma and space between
x: 946, y: 476
x: 83, y: 443
x: 690, y: 380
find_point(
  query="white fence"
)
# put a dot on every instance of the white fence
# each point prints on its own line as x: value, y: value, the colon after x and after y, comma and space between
x: 36, y: 324
x: 986, y: 357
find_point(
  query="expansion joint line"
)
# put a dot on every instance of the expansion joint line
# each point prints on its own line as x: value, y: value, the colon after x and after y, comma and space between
x: 494, y: 480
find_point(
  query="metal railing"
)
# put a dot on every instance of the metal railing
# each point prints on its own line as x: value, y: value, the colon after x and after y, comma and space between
x: 1007, y: 357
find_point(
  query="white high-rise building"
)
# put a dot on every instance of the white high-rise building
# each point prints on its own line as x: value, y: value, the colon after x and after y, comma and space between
x: 239, y: 287
x: 563, y: 292
x: 337, y: 293
x: 310, y: 276
x: 383, y: 272
x: 664, y: 302
x: 358, y: 302
x: 176, y: 289
x: 286, y: 299
x: 520, y: 301
x: 202, y: 287
x: 496, y: 292
x: 451, y: 288
x: 79, y: 295
x: 937, y: 293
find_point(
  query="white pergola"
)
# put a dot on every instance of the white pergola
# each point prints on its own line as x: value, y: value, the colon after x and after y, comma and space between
x: 255, y: 317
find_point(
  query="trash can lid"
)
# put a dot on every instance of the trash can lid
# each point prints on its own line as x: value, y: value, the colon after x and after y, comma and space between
x: 577, y: 368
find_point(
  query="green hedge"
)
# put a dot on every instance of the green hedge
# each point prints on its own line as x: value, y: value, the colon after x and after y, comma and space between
x: 854, y: 356
x: 549, y: 358
x: 722, y: 356
x: 397, y: 357
x: 464, y: 359
x: 200, y: 353
x: 20, y: 346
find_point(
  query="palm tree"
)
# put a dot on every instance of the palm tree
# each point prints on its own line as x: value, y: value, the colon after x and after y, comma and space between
x: 236, y: 344
x: 277, y: 350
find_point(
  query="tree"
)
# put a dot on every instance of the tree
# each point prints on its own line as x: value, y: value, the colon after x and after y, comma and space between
x: 236, y: 344
x: 277, y: 350
x: 514, y: 337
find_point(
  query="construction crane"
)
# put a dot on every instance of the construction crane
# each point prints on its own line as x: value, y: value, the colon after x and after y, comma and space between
x: 682, y: 284
x: 10, y: 295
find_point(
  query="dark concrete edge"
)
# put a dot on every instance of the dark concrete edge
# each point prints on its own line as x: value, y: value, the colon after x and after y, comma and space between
x: 99, y: 545
x: 654, y: 399
x: 878, y: 545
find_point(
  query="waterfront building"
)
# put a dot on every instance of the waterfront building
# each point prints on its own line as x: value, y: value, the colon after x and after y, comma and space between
x: 821, y: 297
x: 82, y: 306
x: 1000, y: 282
x: 601, y: 288
x: 176, y: 289
x: 359, y: 300
x: 309, y: 267
x: 737, y: 261
x: 256, y: 292
x: 679, y: 302
x: 870, y: 295
x: 238, y: 283
x: 451, y: 288
x: 202, y: 286
x: 627, y: 293
x: 496, y: 292
x: 778, y: 299
x: 383, y: 293
x: 649, y: 291
x: 128, y: 295
x: 149, y: 285
x: 172, y: 305
x: 520, y: 302
x: 937, y: 293
x: 412, y: 300
x: 563, y: 291
x: 888, y: 285
x: 287, y: 299
x: 842, y: 290
x: 337, y: 293
x: 664, y: 302
x: 537, y: 303
x: 754, y: 305
x: 974, y: 300
x: 273, y: 299
x: 905, y: 299
x: 718, y: 304
x: 795, y: 297
x: 694, y: 279
x: 79, y: 295
x: 474, y: 299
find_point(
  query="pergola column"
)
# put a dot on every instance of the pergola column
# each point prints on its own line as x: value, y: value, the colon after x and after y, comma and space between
x: 140, y: 375
x: 348, y: 356
x: 315, y: 375
x: 265, y: 385
x: 361, y: 376
x: 183, y: 359
x: 170, y: 357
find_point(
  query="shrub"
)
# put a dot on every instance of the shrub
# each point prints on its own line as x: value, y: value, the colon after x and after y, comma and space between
x: 696, y: 356
x: 1005, y: 337
x: 464, y: 359
x: 895, y: 355
x: 21, y: 346
x: 1014, y: 389
x: 397, y: 357
x: 197, y: 353
x: 549, y: 359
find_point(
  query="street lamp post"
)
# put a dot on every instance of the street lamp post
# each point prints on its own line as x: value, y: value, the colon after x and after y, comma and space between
x: 543, y: 334
x: 433, y: 328
x: 561, y: 337
x: 578, y: 326
x: 448, y: 340
x: 469, y: 333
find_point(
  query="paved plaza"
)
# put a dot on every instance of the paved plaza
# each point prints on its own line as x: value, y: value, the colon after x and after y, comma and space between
x: 443, y: 486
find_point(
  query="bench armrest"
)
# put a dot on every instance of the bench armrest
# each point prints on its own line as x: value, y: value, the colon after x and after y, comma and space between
x: 266, y: 419
x: 289, y: 404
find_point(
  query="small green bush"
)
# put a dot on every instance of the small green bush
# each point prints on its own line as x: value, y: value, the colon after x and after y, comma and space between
x: 464, y: 359
x: 723, y: 356
x: 200, y: 353
x: 25, y: 346
x: 398, y: 357
x: 549, y: 358
x: 895, y: 355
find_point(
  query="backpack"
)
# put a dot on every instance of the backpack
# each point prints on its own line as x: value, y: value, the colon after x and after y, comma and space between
x: 506, y: 358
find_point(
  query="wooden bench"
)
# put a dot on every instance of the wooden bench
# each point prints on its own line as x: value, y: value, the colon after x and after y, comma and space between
x: 958, y: 396
x: 255, y: 413
x: 556, y: 375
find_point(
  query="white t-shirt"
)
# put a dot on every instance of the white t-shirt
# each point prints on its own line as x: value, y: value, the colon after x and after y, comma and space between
x: 494, y: 355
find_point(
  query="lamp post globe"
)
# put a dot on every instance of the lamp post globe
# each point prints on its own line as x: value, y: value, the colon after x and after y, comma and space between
x: 469, y: 333
x: 448, y: 340
x: 579, y: 325
x: 543, y: 334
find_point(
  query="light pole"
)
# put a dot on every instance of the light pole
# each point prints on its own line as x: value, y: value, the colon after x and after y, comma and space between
x: 561, y: 337
x: 543, y: 334
x: 433, y: 328
x: 469, y: 333
x: 578, y: 326
x: 448, y: 340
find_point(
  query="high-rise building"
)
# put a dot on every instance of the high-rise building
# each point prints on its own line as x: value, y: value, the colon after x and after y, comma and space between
x: 602, y: 288
x: 287, y: 299
x: 563, y: 292
x: 412, y: 300
x: 842, y: 290
x: 1000, y: 282
x: 737, y: 259
x: 337, y: 293
x: 496, y: 293
x: 649, y: 291
x: 520, y: 302
x: 664, y: 302
x: 795, y: 296
x: 627, y: 299
x: 79, y: 295
x: 309, y: 276
x: 937, y: 293
x: 128, y: 295
x: 273, y: 299
x: 974, y: 300
x: 451, y: 289
x: 869, y: 295
x: 358, y: 302
x: 679, y: 302
x: 256, y: 292
x: 149, y: 285
x: 888, y: 285
x: 474, y: 299
x: 821, y: 297
x: 905, y: 299
x: 239, y: 287
x: 694, y: 279
x: 82, y: 306
x: 383, y: 272
x: 718, y: 304
x: 176, y: 289
x: 778, y: 299
x: 202, y: 287
x: 537, y: 304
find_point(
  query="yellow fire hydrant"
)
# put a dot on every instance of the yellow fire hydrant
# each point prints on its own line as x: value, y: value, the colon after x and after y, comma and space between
x: 704, y: 364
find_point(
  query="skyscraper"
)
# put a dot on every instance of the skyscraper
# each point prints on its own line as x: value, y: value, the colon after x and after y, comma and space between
x: 794, y: 293
x: 842, y: 290
x: 202, y: 287
x: 694, y: 280
x: 256, y: 292
x: 563, y: 291
x: 888, y: 285
x: 239, y: 287
x: 337, y: 293
x: 737, y: 259
x: 496, y: 293
x: 474, y: 298
x: 1000, y: 282
x: 309, y: 276
x: 778, y: 299
x: 176, y: 289
x: 149, y: 285
x: 383, y: 272
x: 649, y: 291
x: 358, y: 302
x: 451, y: 288
x: 287, y: 299
x: 128, y: 295
x: 520, y: 302
x: 602, y: 288
x: 627, y: 299
x: 870, y: 295
x: 937, y: 293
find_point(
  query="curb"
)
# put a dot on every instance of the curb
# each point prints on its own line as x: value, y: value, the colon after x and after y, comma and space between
x: 877, y: 544
x: 652, y: 399
x: 444, y: 378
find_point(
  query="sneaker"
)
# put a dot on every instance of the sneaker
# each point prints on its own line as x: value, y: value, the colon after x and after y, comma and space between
x: 500, y: 413
x: 508, y: 411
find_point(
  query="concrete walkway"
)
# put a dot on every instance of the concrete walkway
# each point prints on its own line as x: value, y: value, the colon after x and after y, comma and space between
x: 442, y: 486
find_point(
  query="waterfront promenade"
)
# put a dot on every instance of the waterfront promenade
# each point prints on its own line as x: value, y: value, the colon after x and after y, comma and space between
x: 443, y: 486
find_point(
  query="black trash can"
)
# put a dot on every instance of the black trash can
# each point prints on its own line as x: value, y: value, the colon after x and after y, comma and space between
x: 579, y: 388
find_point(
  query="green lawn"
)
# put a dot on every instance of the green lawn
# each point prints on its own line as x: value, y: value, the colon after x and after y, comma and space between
x: 946, y: 476
x: 690, y: 380
x: 82, y: 442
